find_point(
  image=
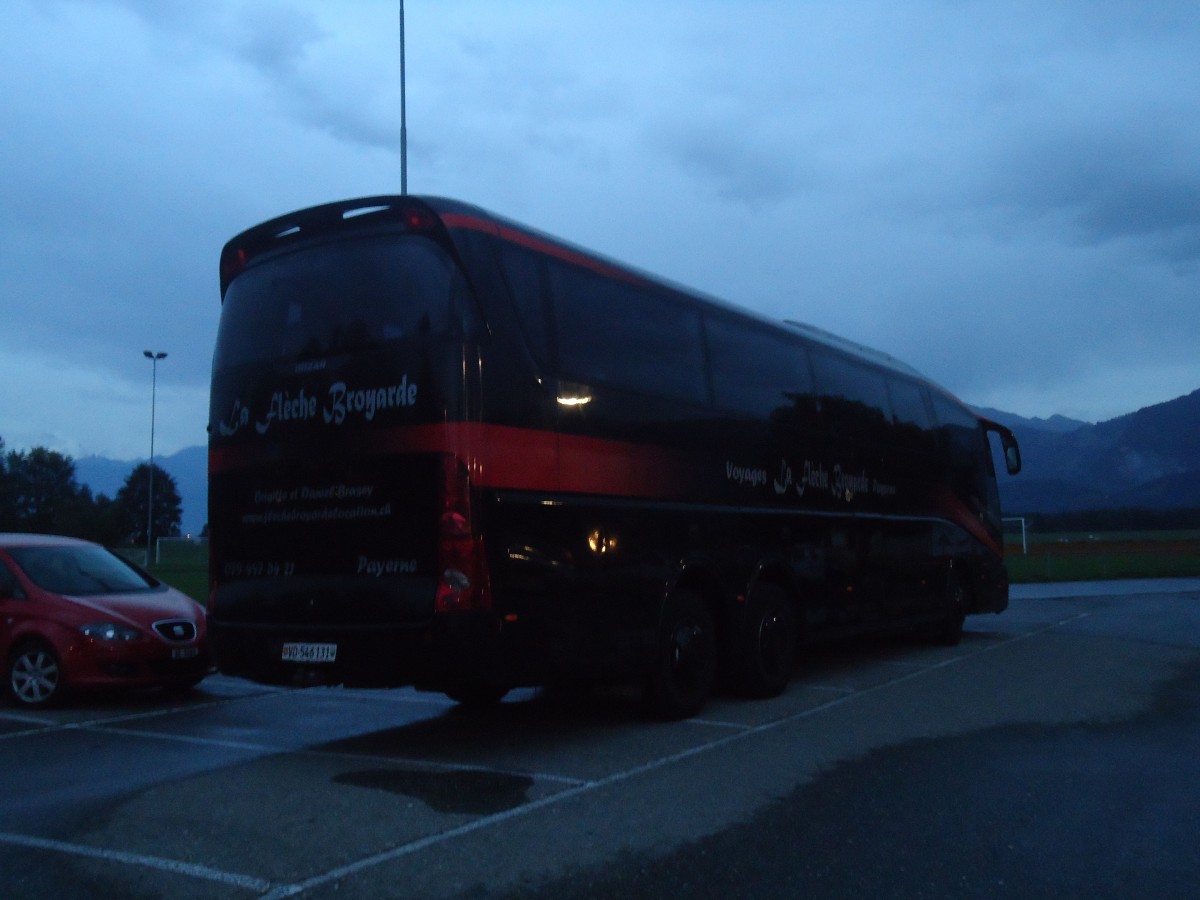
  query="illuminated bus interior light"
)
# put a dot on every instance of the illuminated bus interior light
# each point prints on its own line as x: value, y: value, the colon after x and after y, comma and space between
x: 574, y: 401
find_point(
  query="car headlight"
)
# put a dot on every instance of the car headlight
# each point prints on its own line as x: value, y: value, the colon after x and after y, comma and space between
x: 111, y: 631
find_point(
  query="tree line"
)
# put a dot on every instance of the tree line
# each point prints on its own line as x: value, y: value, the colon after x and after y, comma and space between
x: 39, y: 493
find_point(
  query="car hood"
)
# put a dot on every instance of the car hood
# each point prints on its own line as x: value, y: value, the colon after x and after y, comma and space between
x: 140, y: 609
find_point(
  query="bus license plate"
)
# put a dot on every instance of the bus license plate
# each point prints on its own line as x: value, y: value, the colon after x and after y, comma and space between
x: 310, y: 653
x: 185, y: 652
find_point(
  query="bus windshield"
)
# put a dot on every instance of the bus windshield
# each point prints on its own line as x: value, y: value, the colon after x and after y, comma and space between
x: 337, y: 297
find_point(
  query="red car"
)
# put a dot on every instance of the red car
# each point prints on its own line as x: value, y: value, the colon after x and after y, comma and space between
x: 75, y: 615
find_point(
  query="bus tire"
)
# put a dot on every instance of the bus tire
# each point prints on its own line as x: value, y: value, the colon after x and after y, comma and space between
x: 685, y: 665
x: 768, y: 642
x: 948, y: 630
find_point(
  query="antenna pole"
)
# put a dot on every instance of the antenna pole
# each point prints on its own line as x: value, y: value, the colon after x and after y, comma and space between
x: 403, y: 113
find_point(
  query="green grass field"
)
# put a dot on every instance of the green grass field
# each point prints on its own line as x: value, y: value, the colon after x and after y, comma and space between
x: 182, y: 565
x: 1105, y: 555
x: 1051, y: 557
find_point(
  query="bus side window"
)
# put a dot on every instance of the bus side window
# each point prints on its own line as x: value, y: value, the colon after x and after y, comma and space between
x: 626, y: 335
x: 854, y: 397
x: 526, y: 276
x: 911, y: 415
x: 968, y: 454
x: 758, y: 373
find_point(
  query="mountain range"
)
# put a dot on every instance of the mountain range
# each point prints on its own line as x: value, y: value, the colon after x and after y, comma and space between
x: 1149, y: 459
x: 189, y: 468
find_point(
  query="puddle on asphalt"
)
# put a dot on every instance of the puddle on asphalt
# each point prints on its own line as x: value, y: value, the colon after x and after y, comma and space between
x: 473, y: 793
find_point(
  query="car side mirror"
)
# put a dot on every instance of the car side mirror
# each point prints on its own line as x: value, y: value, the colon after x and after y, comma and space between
x: 1012, y: 458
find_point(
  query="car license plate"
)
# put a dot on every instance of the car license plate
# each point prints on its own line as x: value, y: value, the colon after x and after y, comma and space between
x: 185, y: 652
x: 309, y: 653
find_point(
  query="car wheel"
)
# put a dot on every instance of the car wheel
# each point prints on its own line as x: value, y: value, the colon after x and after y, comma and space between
x: 686, y: 665
x: 34, y: 674
x: 768, y: 646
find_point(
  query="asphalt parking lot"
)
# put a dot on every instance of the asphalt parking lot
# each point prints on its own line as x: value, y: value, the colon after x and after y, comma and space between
x: 1051, y: 753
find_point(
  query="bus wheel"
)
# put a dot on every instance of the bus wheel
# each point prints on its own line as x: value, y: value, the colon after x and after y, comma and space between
x: 948, y: 630
x: 686, y: 665
x: 768, y: 648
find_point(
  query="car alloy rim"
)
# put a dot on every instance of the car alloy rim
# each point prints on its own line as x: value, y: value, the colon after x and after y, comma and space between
x: 34, y: 676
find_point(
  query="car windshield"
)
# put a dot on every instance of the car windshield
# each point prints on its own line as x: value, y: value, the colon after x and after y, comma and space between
x: 80, y: 570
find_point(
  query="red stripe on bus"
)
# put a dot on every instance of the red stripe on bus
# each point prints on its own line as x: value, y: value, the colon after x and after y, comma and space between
x: 951, y: 507
x: 541, y: 245
x: 500, y: 456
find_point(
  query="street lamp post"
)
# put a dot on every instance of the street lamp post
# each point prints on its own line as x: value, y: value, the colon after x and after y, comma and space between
x: 403, y: 113
x: 154, y: 358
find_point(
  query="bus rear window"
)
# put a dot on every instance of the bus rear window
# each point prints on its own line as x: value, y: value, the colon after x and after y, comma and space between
x: 338, y: 297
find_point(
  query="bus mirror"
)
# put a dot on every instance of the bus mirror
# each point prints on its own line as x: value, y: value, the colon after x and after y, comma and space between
x: 1012, y: 452
x: 1012, y: 457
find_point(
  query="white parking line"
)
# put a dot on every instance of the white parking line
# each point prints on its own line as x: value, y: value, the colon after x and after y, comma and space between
x: 184, y: 739
x: 49, y: 724
x: 270, y: 891
x: 30, y: 720
x: 173, y: 866
x: 431, y: 765
x: 395, y: 853
x: 717, y: 723
x: 831, y: 688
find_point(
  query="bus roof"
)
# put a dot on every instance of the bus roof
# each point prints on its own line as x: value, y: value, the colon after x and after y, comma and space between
x: 405, y: 211
x: 508, y: 228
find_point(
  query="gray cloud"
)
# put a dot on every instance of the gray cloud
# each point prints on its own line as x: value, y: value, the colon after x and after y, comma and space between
x: 1003, y: 196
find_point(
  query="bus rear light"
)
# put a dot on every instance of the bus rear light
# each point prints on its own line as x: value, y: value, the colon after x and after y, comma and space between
x: 455, y: 525
x: 456, y: 580
x: 417, y: 219
x: 454, y: 592
x: 233, y: 262
x: 464, y: 584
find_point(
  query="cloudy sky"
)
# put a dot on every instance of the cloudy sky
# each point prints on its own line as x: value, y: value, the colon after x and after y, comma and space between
x: 1003, y: 194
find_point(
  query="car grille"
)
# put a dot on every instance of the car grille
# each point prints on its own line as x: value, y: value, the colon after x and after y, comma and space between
x: 176, y: 629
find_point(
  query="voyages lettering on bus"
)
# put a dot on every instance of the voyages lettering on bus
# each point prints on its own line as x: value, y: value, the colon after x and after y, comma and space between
x: 837, y: 482
x: 745, y: 475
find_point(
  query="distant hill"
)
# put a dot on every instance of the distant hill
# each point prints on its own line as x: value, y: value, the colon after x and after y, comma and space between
x: 1054, y: 424
x: 189, y: 468
x: 1147, y: 459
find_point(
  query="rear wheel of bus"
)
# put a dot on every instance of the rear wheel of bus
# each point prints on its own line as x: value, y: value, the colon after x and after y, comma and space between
x: 948, y: 630
x: 685, y: 667
x: 768, y: 646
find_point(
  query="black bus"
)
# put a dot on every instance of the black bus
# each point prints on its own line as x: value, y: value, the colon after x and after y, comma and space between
x: 449, y: 451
